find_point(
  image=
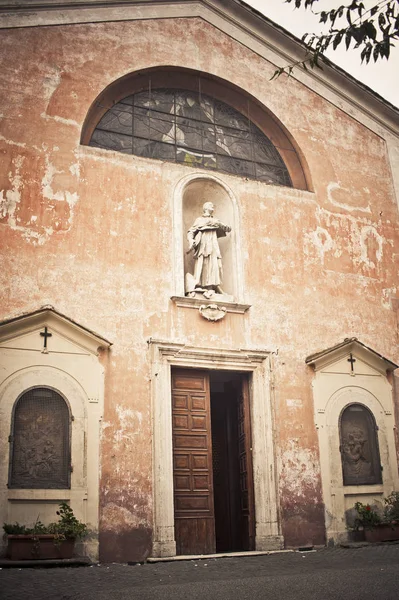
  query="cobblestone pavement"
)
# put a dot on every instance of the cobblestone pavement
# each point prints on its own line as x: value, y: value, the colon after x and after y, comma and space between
x: 353, y: 574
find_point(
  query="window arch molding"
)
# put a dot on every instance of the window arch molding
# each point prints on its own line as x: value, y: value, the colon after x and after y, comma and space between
x: 230, y: 94
x: 47, y: 448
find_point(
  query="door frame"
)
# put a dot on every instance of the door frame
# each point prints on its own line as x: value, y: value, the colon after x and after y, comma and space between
x: 258, y: 363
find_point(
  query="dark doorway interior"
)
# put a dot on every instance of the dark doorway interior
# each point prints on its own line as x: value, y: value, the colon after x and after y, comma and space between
x: 232, y: 483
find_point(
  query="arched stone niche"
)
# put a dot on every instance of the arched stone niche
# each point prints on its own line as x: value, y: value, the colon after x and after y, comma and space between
x: 190, y: 195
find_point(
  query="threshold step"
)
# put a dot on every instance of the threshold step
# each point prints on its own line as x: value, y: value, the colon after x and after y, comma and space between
x: 83, y: 561
x: 154, y: 559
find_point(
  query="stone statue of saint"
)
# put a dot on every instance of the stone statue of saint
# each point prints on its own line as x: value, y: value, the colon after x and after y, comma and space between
x: 203, y: 242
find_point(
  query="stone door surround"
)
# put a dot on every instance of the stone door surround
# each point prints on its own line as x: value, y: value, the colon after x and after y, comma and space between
x: 166, y: 355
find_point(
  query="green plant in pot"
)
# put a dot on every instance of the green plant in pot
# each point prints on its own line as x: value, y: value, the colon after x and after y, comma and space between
x: 379, y: 527
x: 367, y: 517
x: 391, y: 510
x: 55, y: 540
x: 67, y: 526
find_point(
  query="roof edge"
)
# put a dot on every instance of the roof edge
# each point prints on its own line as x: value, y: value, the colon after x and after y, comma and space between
x: 48, y: 308
x: 36, y: 13
x: 318, y: 357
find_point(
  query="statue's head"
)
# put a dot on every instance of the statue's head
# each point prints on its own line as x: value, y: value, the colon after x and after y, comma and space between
x: 208, y: 208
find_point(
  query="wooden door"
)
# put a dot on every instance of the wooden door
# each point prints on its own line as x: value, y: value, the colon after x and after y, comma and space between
x: 192, y: 463
x: 245, y: 468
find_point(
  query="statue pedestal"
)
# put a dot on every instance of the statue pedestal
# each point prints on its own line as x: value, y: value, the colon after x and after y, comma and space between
x: 210, y: 296
x: 197, y: 302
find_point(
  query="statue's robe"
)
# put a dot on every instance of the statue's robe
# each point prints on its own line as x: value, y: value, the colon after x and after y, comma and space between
x: 208, y: 271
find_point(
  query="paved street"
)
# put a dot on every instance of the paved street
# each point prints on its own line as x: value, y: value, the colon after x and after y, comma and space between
x: 352, y: 574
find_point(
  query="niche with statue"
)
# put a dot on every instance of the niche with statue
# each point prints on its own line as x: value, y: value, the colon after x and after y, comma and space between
x: 210, y: 240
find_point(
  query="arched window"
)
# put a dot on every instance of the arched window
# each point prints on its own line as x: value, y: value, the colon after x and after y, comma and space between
x: 40, y: 441
x: 359, y: 446
x: 191, y: 118
x: 187, y: 127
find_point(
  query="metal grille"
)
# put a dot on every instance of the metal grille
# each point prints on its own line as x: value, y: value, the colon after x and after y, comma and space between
x: 40, y: 451
x: 190, y: 128
x: 359, y: 447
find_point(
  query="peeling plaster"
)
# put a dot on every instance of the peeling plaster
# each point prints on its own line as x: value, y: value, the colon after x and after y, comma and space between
x: 335, y: 186
x: 51, y: 82
x: 294, y: 403
x: 75, y: 170
x: 299, y: 470
x: 11, y: 142
x: 12, y: 197
x: 60, y: 120
x: 118, y: 517
x: 369, y: 238
x: 47, y: 181
x: 321, y: 240
x: 129, y: 423
x: 387, y: 295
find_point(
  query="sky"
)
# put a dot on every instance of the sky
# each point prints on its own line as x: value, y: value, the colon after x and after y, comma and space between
x: 382, y: 76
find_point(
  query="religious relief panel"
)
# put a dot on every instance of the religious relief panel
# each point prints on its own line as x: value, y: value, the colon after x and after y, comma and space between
x: 40, y: 438
x: 359, y: 447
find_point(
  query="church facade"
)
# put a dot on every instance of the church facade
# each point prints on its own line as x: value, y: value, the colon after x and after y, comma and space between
x: 199, y: 316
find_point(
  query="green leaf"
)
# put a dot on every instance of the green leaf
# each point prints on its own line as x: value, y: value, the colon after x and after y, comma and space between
x: 276, y: 74
x: 366, y: 53
x: 323, y: 17
x: 348, y: 17
x: 348, y: 38
x: 369, y: 30
x: 337, y: 40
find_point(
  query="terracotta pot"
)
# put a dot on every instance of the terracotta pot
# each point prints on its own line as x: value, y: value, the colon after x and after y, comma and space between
x: 382, y: 533
x: 38, y: 547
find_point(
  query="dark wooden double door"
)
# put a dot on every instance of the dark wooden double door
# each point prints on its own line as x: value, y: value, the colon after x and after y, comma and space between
x: 212, y: 466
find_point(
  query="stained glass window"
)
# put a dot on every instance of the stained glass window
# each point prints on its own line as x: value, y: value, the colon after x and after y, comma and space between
x: 359, y: 447
x: 40, y: 441
x: 197, y: 130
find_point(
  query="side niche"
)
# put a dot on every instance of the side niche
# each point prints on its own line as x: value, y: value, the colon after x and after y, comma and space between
x: 196, y: 193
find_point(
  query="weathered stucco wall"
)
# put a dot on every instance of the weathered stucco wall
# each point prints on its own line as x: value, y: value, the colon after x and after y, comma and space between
x: 91, y: 232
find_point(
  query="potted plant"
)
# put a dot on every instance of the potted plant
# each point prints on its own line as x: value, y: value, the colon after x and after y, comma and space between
x: 379, y: 527
x: 40, y: 542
